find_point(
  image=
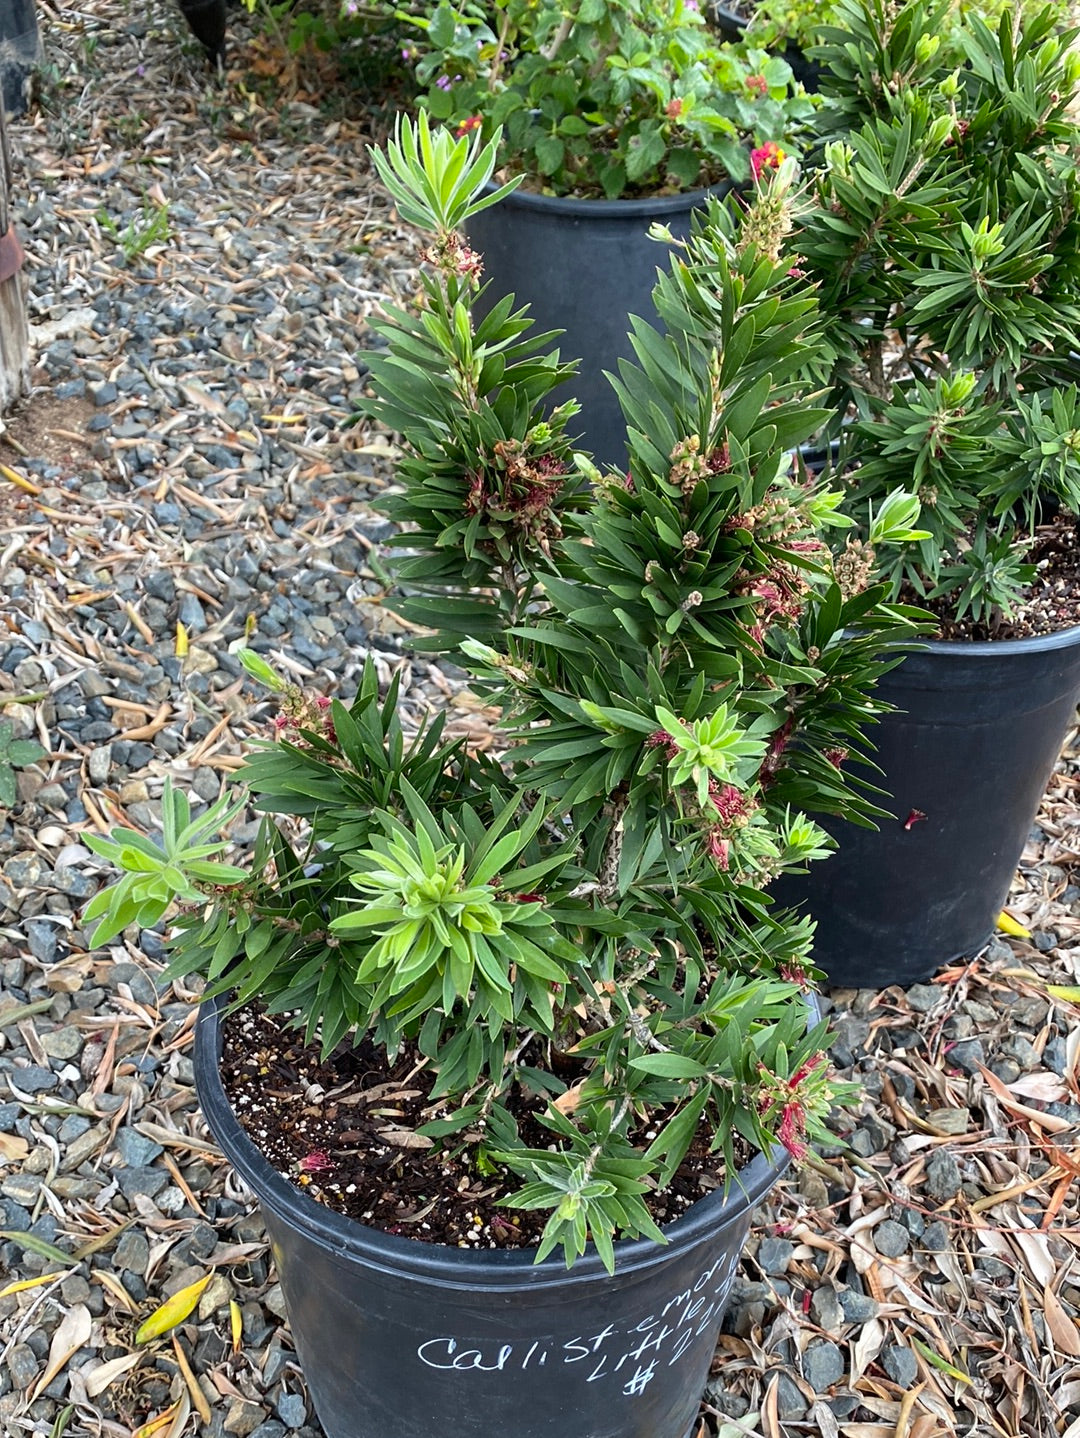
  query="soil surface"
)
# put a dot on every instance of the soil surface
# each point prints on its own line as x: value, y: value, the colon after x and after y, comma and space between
x: 1051, y: 603
x: 344, y: 1131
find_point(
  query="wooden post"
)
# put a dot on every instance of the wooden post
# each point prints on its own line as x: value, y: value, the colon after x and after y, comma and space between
x: 14, y: 327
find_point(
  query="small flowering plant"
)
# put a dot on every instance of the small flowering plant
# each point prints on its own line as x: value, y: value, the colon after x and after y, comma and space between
x: 604, y: 100
x: 572, y: 942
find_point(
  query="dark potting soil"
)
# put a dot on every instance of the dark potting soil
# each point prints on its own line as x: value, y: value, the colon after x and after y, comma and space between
x: 1052, y: 600
x: 344, y: 1131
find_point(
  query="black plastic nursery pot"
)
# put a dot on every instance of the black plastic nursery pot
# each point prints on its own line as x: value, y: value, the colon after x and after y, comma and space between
x: 584, y: 267
x: 733, y: 27
x: 403, y: 1339
x: 966, y: 764
x: 207, y: 21
x: 20, y: 47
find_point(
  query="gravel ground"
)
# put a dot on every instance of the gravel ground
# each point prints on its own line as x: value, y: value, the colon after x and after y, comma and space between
x: 202, y: 256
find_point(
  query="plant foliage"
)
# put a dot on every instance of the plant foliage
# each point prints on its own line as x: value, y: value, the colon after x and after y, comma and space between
x: 582, y: 927
x: 605, y: 100
x: 943, y: 238
x: 14, y: 754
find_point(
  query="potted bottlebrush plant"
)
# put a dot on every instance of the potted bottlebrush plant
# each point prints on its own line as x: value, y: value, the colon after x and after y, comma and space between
x: 616, y: 117
x: 490, y: 1012
x: 942, y: 236
x: 793, y: 28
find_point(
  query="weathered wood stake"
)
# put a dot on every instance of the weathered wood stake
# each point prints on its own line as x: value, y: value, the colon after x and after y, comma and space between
x: 14, y: 328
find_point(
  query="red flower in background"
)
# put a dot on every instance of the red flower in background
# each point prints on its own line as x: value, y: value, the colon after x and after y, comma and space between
x: 766, y: 157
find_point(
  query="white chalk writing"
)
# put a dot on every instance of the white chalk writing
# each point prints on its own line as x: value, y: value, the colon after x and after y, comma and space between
x: 628, y: 1353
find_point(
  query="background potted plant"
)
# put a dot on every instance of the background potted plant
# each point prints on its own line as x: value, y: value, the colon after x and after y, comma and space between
x: 555, y: 980
x: 943, y: 240
x: 793, y: 28
x: 787, y: 27
x: 616, y: 116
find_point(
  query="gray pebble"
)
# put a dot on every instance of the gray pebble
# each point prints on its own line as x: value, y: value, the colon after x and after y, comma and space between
x: 292, y: 1410
x: 271, y: 1429
x: 63, y: 1043
x: 96, y: 731
x: 104, y: 394
x: 942, y: 1175
x: 206, y: 784
x: 73, y: 1127
x: 858, y: 1307
x: 823, y: 1365
x: 142, y: 988
x: 23, y: 1365
x: 99, y: 762
x: 34, y: 1079
x: 135, y: 1150
x: 144, y: 1181
x: 1018, y: 1047
x: 924, y: 997
x: 900, y: 1364
x: 1007, y: 1070
x: 42, y: 942
x: 935, y: 1237
x: 243, y: 1418
x: 825, y: 1309
x: 790, y: 1402
x: 191, y: 613
x: 891, y: 1238
x: 968, y: 1054
x: 132, y: 1251
x: 774, y: 1255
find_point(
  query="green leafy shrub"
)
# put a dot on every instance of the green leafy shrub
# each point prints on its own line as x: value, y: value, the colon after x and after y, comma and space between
x: 582, y: 926
x: 943, y: 238
x: 605, y: 100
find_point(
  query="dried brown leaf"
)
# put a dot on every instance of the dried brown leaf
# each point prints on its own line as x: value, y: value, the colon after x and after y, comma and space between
x: 1063, y: 1330
x: 72, y: 1334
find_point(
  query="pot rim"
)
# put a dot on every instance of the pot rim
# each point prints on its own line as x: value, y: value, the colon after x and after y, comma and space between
x: 647, y: 206
x: 987, y: 648
x: 498, y: 1269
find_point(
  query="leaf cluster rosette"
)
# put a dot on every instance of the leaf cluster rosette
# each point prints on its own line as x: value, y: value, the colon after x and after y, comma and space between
x: 600, y: 100
x: 575, y: 938
x: 942, y: 235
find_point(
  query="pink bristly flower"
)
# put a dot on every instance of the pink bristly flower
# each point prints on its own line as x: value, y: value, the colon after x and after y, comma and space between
x: 719, y: 461
x: 757, y: 84
x: 730, y: 803
x: 674, y: 108
x: 718, y: 847
x: 806, y: 1068
x: 316, y: 1162
x: 766, y: 157
x: 794, y: 973
x: 836, y: 756
x: 661, y: 739
x: 780, y: 740
x: 792, y: 1128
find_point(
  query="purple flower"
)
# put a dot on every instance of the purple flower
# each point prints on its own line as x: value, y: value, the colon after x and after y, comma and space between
x: 444, y: 82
